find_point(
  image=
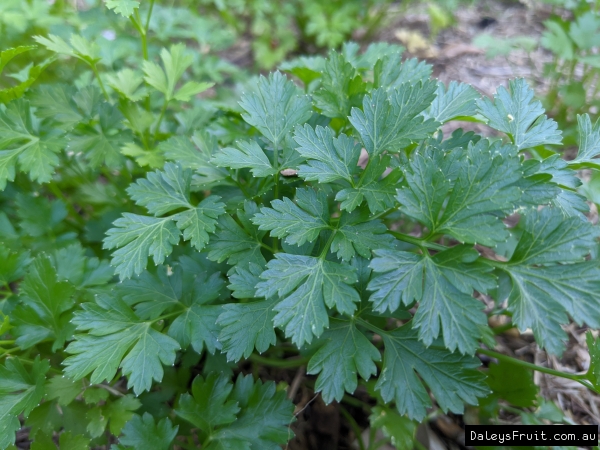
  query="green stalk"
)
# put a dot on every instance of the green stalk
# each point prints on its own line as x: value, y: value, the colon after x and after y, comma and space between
x: 354, y: 426
x: 160, y: 119
x: 97, y: 75
x: 418, y: 241
x: 557, y: 373
x: 279, y: 363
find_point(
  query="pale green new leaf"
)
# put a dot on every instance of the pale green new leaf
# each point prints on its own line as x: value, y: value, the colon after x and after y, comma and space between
x: 521, y: 117
x: 198, y: 222
x: 127, y: 83
x: 452, y: 378
x: 391, y: 120
x: 175, y: 62
x: 123, y: 7
x: 78, y: 46
x: 298, y: 223
x: 22, y: 143
x: 305, y: 286
x: 143, y: 433
x: 275, y: 107
x: 246, y: 326
x: 21, y: 390
x: 7, y: 55
x: 191, y: 89
x: 391, y: 72
x: 443, y: 285
x: 346, y: 352
x: 457, y: 101
x: 248, y: 155
x: 329, y: 158
x: 115, y: 337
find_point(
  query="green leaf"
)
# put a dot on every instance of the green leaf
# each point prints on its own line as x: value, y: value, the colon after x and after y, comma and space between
x: 341, y: 87
x: 7, y: 55
x: 589, y: 142
x: 463, y: 199
x: 519, y: 116
x: 329, y: 158
x: 346, y: 352
x: 593, y: 373
x: 244, y: 280
x: 556, y: 39
x: 198, y: 222
x: 452, y: 378
x: 377, y: 189
x: 143, y: 433
x: 390, y: 72
x: 21, y: 390
x: 357, y: 234
x: 238, y: 245
x: 22, y: 142
x: 513, y: 383
x: 175, y: 63
x: 306, y: 284
x: 69, y: 441
x: 391, y: 120
x: 400, y: 429
x: 123, y: 7
x: 264, y: 420
x: 115, y: 338
x: 63, y: 389
x: 543, y: 292
x: 275, y: 107
x: 457, y: 101
x: 139, y: 237
x: 297, y: 223
x: 127, y: 83
x: 443, y: 285
x: 247, y: 155
x: 584, y: 30
x: 78, y: 47
x: 44, y: 305
x: 209, y: 406
x: 246, y: 326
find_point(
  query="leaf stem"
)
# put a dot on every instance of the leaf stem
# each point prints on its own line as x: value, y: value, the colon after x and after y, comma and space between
x: 279, y: 363
x: 418, y: 241
x: 97, y: 75
x: 160, y: 119
x: 384, y: 213
x: 557, y: 373
x: 354, y: 426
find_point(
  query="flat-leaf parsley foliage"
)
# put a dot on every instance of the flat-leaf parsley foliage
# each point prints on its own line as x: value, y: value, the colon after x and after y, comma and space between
x: 334, y: 218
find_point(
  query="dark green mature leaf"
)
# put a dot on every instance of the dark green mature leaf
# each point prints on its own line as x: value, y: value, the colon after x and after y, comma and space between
x: 21, y: 390
x: 297, y: 223
x: 443, y: 285
x: 209, y: 406
x: 345, y: 352
x: 512, y: 383
x: 542, y: 293
x: 519, y: 116
x: 391, y: 120
x: 246, y: 326
x: 358, y: 235
x: 161, y: 192
x: 143, y: 433
x: 247, y: 155
x: 275, y: 107
x: 306, y: 284
x: 22, y: 142
x: 244, y: 280
x: 115, y: 338
x: 377, y: 191
x: 457, y: 101
x: 264, y: 420
x: 390, y: 72
x: 238, y: 245
x: 451, y: 377
x: 341, y: 87
x: 463, y: 193
x: 399, y: 428
x: 589, y: 142
x: 44, y: 305
x: 139, y: 237
x: 329, y: 158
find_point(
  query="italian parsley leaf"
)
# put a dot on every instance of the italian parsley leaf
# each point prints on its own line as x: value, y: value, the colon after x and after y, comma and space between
x: 519, y: 116
x: 452, y: 378
x: 116, y: 337
x: 143, y: 432
x: 345, y: 352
